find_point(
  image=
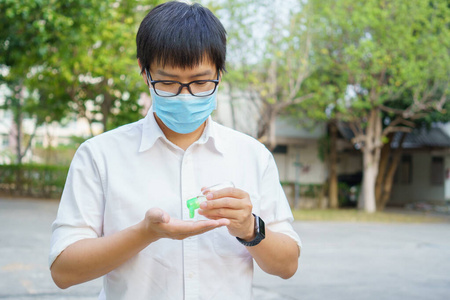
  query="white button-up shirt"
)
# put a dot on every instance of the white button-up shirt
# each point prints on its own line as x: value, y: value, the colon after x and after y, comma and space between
x: 117, y: 176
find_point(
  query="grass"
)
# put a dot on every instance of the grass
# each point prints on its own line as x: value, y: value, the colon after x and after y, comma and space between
x: 353, y: 215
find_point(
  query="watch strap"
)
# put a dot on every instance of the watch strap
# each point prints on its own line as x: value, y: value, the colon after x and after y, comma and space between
x: 260, y: 233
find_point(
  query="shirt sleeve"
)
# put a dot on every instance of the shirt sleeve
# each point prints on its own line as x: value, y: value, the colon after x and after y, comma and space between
x: 275, y: 209
x: 80, y: 213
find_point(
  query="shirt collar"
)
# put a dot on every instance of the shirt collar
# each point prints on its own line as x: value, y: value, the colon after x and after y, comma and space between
x: 151, y: 132
x: 210, y: 136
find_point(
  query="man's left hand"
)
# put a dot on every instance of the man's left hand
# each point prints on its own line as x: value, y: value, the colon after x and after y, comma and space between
x: 232, y: 204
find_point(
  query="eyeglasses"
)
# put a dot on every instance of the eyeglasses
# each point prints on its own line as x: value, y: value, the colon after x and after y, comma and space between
x: 171, y: 88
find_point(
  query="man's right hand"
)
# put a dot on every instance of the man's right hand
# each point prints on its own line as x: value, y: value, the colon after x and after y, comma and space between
x: 158, y: 224
x: 91, y: 258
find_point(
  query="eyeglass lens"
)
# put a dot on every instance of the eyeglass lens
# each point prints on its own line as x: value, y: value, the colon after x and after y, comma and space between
x: 196, y: 87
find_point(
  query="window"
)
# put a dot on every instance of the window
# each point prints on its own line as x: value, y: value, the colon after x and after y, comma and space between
x: 5, y: 140
x: 437, y: 170
x: 404, y: 171
x: 280, y: 149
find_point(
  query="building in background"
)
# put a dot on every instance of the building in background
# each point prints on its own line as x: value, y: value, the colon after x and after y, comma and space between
x: 46, y: 136
x: 423, y: 173
x: 422, y: 176
x: 424, y: 170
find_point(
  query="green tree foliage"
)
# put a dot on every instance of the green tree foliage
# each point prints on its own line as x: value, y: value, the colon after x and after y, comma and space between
x: 30, y: 32
x: 60, y: 57
x: 101, y: 71
x: 373, y: 53
x: 268, y: 56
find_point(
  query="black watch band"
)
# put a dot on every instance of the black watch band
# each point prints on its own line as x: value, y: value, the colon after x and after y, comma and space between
x: 260, y: 233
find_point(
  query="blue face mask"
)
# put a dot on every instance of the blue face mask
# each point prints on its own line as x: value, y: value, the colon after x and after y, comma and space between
x: 183, y: 113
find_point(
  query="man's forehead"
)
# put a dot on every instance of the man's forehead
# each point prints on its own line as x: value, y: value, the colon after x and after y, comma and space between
x: 205, y: 67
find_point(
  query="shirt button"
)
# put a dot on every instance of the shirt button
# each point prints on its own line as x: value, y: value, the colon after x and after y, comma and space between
x: 190, y: 275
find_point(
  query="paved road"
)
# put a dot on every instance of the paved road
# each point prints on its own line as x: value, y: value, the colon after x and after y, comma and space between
x: 339, y: 260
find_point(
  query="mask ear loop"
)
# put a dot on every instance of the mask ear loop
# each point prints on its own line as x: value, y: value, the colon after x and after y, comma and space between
x: 149, y: 78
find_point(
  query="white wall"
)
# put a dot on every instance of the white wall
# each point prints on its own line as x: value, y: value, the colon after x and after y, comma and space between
x: 52, y: 134
x: 420, y: 189
x: 311, y: 170
x: 447, y: 178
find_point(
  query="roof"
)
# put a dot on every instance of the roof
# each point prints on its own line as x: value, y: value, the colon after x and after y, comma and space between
x: 291, y: 128
x: 423, y: 137
x: 418, y: 138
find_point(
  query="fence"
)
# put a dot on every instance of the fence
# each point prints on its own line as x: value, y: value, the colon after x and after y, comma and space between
x: 46, y: 181
x: 310, y: 195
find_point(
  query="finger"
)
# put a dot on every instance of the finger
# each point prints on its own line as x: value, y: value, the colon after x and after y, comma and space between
x: 183, y: 236
x: 157, y: 215
x: 222, y: 222
x: 189, y: 227
x: 226, y: 192
x: 232, y: 203
x: 184, y: 229
x: 215, y: 214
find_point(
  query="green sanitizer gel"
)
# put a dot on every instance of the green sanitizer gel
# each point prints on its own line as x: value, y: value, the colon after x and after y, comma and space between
x: 194, y: 203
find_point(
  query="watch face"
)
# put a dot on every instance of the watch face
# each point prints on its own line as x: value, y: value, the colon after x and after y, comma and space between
x: 261, y: 227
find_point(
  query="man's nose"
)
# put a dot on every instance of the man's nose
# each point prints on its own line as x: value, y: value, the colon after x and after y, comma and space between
x: 184, y: 90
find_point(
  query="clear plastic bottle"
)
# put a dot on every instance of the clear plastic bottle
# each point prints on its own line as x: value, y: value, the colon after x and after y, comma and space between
x: 194, y: 203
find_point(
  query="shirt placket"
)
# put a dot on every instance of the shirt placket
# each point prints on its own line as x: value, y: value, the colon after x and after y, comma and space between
x: 190, y: 245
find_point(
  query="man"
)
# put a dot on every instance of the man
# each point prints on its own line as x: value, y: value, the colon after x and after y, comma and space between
x: 123, y: 213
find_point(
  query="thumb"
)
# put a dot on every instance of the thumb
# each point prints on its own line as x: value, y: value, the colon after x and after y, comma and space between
x: 157, y: 215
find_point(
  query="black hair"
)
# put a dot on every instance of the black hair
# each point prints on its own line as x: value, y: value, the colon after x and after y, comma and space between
x: 181, y: 35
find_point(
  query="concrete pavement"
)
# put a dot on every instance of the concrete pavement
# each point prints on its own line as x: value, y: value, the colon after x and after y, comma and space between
x: 338, y: 261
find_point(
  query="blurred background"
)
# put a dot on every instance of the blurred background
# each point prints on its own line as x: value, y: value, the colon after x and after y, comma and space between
x: 351, y: 97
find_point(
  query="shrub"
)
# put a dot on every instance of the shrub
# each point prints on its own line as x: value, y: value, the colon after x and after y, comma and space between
x: 33, y: 180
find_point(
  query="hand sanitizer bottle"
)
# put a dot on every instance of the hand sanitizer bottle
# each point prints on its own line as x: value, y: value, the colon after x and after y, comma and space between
x: 194, y: 203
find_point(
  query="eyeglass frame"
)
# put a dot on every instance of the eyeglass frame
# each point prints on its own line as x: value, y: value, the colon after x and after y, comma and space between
x: 182, y: 85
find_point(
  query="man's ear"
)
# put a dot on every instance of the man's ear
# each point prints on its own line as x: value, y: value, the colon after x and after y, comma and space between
x: 143, y: 74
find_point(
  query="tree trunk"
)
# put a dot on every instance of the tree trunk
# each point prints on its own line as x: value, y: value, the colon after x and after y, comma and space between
x: 18, y: 137
x: 371, y: 160
x: 272, y: 140
x: 389, y: 179
x: 369, y: 179
x: 106, y: 110
x: 263, y: 125
x: 382, y: 167
x: 388, y: 182
x: 18, y: 124
x: 267, y: 128
x: 232, y: 108
x: 17, y: 119
x: 333, y: 180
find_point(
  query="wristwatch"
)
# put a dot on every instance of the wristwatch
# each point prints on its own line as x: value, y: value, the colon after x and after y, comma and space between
x: 260, y: 233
